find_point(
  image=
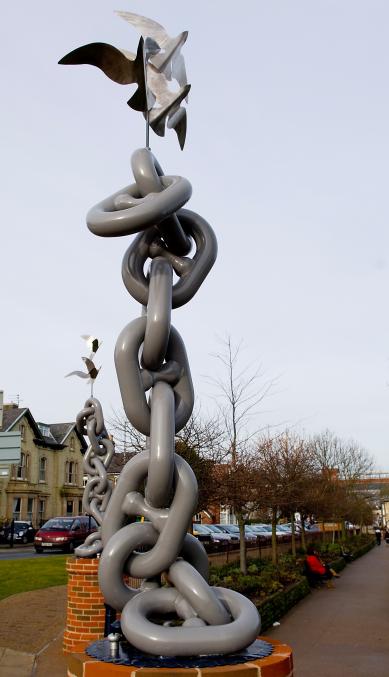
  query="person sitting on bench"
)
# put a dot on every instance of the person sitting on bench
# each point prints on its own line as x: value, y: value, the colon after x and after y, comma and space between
x: 347, y: 556
x: 316, y: 570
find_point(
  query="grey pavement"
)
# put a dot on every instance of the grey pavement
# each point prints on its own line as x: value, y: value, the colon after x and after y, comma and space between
x: 16, y: 663
x: 343, y: 632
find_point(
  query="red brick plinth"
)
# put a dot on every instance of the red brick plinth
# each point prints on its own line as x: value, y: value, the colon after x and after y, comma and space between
x: 279, y: 664
x: 85, y: 607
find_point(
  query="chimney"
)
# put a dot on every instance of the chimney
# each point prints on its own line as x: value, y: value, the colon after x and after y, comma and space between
x: 1, y: 408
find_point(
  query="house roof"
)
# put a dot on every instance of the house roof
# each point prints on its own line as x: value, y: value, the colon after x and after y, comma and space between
x: 119, y: 460
x: 58, y: 431
x: 10, y: 416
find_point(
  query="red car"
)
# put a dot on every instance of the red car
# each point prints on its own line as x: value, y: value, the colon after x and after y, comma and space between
x: 64, y: 533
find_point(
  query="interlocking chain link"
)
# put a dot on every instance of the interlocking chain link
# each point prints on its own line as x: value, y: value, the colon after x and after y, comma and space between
x: 150, y: 357
x: 98, y: 488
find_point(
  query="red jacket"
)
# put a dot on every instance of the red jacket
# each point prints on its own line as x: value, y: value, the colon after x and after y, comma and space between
x: 315, y: 565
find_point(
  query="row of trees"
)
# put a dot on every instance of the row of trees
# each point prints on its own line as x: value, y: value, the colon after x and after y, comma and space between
x: 263, y: 474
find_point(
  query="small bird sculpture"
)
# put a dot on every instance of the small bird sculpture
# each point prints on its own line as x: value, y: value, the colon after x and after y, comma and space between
x: 92, y: 372
x: 93, y: 344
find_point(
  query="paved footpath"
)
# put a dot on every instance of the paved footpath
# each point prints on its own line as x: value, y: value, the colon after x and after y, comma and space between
x: 31, y: 629
x: 334, y: 633
x: 343, y: 632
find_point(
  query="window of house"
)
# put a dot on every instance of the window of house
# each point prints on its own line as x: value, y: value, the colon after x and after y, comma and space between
x: 42, y: 469
x: 76, y: 473
x: 41, y: 511
x: 17, y: 508
x: 30, y: 509
x: 80, y: 506
x: 226, y: 516
x: 72, y: 443
x: 22, y: 432
x: 69, y: 472
x: 45, y: 430
x: 22, y: 469
x: 69, y: 507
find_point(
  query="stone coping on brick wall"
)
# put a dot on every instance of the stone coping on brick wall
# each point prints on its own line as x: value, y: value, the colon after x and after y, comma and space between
x: 279, y: 664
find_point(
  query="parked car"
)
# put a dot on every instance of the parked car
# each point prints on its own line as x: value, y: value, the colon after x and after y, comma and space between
x: 64, y: 533
x: 268, y: 529
x: 233, y: 533
x: 23, y: 532
x: 205, y: 533
x: 233, y: 530
x: 261, y: 531
x: 220, y: 535
x: 251, y: 534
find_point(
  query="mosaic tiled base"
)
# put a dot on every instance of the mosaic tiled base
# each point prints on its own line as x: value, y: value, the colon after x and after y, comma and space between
x: 277, y: 663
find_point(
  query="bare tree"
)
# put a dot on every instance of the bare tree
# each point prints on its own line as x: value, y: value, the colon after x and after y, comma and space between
x: 203, y: 433
x: 341, y: 464
x: 200, y: 443
x: 239, y: 393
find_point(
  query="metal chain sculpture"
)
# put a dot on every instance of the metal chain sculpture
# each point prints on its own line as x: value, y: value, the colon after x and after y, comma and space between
x: 150, y: 356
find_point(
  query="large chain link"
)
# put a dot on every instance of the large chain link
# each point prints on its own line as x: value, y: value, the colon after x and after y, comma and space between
x: 98, y: 488
x: 150, y: 356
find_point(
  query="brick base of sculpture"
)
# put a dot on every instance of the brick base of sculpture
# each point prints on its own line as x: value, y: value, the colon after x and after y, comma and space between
x: 85, y: 615
x: 85, y: 624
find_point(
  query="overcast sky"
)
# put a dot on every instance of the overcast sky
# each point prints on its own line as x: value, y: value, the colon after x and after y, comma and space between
x: 287, y: 152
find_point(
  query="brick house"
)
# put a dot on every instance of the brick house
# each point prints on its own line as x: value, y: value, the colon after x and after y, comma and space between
x: 41, y: 473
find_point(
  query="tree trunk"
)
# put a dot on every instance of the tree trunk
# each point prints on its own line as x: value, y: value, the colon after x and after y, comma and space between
x: 303, y: 541
x: 242, y: 544
x: 293, y: 535
x: 343, y: 526
x: 324, y: 532
x: 274, y: 551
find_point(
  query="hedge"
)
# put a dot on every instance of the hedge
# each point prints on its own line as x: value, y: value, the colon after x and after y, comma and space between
x: 275, y: 606
x: 337, y: 564
x: 358, y: 552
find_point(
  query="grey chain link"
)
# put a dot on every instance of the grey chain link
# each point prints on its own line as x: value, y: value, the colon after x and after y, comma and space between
x: 98, y: 488
x: 150, y: 355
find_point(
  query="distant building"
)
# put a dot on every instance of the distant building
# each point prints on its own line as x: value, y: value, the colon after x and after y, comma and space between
x: 41, y: 474
x: 119, y: 460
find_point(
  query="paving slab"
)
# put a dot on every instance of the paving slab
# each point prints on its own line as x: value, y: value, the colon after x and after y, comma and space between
x: 30, y: 620
x: 343, y: 632
x: 52, y: 662
x: 16, y: 663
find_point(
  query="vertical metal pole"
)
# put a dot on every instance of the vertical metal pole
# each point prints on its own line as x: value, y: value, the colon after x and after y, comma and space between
x: 110, y: 618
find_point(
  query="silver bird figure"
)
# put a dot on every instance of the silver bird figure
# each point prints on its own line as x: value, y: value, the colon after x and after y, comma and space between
x: 169, y: 60
x: 93, y: 344
x: 165, y: 64
x: 92, y: 372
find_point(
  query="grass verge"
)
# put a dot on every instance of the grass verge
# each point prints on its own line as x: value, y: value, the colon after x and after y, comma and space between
x: 21, y: 575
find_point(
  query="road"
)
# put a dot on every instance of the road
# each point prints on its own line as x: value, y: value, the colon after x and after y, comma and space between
x: 24, y: 553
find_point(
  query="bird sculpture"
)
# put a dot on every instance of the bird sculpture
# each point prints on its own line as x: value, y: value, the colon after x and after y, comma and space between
x: 157, y: 62
x: 93, y: 344
x: 92, y: 372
